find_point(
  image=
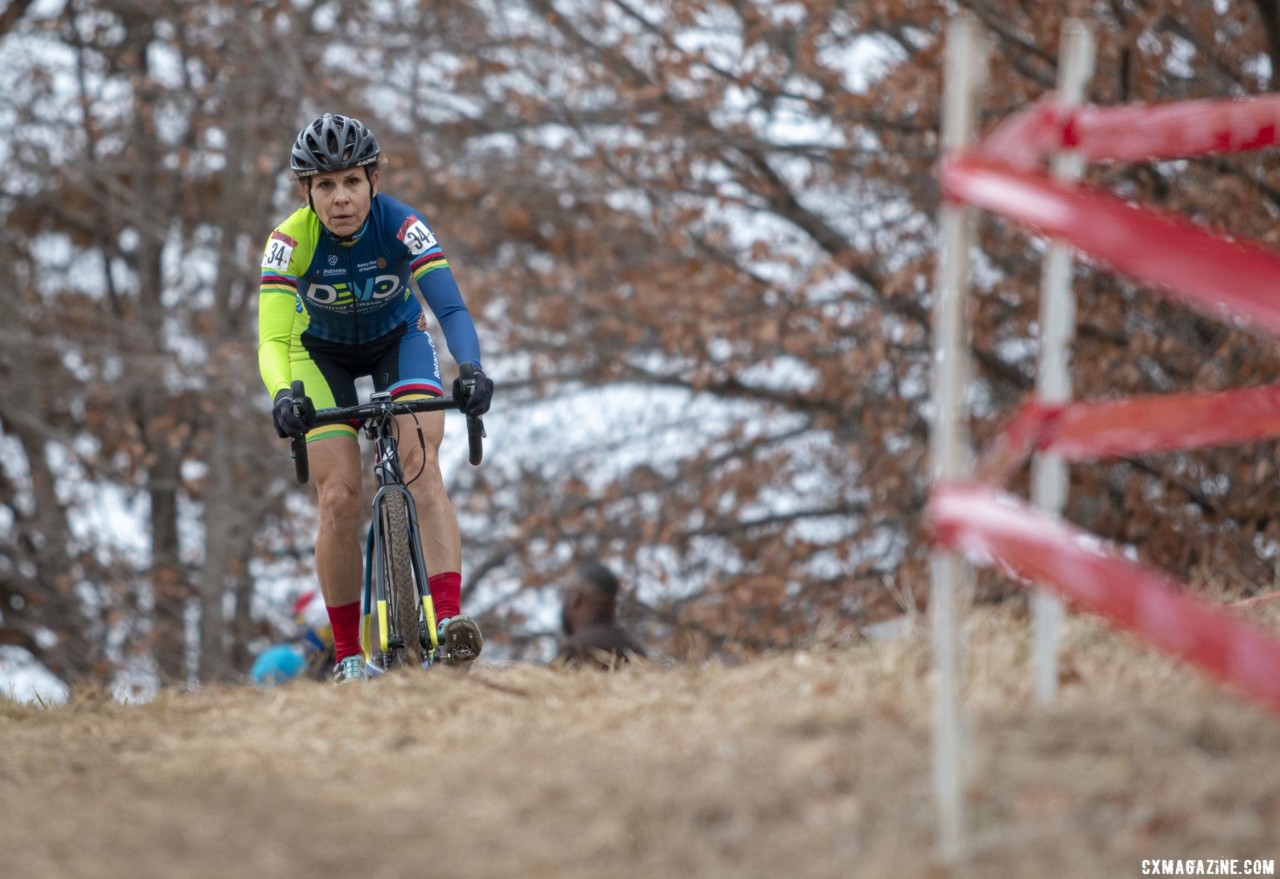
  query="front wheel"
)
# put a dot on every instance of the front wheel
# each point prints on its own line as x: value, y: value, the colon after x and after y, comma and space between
x: 402, y: 588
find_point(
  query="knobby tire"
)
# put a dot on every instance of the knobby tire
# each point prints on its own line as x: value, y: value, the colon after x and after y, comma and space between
x: 402, y: 589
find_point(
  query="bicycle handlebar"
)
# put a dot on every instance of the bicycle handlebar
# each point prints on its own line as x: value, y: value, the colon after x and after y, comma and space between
x: 475, y: 427
x: 298, y: 445
x: 375, y: 408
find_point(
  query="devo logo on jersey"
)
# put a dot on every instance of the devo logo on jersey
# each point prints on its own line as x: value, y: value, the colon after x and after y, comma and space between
x: 279, y: 249
x: 373, y: 289
x: 416, y: 236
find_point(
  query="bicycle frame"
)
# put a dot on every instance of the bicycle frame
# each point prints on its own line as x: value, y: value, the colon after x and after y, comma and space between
x: 390, y: 478
x: 377, y: 418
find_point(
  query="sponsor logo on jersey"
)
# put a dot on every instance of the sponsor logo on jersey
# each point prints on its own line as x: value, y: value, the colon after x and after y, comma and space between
x: 372, y: 290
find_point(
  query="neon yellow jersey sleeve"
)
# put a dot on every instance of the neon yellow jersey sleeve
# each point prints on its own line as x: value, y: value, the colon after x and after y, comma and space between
x: 280, y: 319
x: 276, y: 313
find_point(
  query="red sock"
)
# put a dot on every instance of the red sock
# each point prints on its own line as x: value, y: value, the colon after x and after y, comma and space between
x: 446, y: 594
x: 345, y: 619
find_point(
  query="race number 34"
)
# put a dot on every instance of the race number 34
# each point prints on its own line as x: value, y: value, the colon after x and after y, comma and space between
x: 279, y: 249
x: 416, y: 236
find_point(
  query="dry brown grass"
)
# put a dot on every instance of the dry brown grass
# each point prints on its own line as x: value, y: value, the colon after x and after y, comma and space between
x: 812, y: 764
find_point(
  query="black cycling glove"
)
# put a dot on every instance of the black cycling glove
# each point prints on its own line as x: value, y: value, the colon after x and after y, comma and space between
x: 288, y: 422
x: 477, y: 402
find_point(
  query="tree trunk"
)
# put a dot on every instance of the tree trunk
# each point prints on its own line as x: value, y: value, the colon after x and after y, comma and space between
x: 171, y: 590
x: 220, y: 502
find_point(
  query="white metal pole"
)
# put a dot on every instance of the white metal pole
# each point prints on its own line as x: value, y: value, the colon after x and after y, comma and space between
x: 1053, y: 373
x: 951, y: 456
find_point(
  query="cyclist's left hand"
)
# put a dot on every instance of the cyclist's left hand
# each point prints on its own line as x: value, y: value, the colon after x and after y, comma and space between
x: 477, y: 402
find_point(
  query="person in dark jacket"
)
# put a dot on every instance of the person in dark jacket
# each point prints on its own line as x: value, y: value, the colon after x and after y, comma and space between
x: 592, y: 637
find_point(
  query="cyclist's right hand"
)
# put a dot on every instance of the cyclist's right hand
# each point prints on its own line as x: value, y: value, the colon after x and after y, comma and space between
x: 288, y: 422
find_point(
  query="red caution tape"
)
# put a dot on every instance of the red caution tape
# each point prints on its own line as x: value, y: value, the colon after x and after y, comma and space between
x: 1222, y: 278
x: 994, y: 528
x: 1136, y: 132
x: 1131, y: 426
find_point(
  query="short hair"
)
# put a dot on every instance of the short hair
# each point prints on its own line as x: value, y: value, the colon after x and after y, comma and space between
x: 601, y: 580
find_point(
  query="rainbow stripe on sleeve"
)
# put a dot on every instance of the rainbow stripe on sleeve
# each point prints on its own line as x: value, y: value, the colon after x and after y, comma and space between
x: 274, y: 282
x: 424, y: 264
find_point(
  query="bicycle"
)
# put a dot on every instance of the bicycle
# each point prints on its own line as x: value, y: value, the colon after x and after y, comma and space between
x: 395, y: 581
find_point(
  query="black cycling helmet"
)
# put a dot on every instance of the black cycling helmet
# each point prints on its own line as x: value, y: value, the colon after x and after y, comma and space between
x: 333, y: 143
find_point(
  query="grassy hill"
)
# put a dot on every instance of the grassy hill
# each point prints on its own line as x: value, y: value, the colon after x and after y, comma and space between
x: 808, y: 764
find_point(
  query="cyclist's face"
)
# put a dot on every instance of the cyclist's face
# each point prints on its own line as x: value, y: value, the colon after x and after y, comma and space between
x: 341, y: 199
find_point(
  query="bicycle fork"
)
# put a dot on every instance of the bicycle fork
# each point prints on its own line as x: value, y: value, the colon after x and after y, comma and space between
x: 375, y: 597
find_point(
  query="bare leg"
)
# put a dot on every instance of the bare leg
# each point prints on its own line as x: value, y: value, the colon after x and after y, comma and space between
x: 437, y: 521
x: 335, y: 465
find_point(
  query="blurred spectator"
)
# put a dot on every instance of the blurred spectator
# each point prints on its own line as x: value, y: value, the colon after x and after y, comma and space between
x: 592, y: 637
x: 310, y: 655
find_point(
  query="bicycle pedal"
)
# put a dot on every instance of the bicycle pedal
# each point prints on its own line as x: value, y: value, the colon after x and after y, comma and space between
x: 459, y: 661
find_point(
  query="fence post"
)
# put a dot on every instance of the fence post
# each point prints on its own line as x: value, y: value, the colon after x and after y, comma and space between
x: 951, y: 458
x: 1053, y: 375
